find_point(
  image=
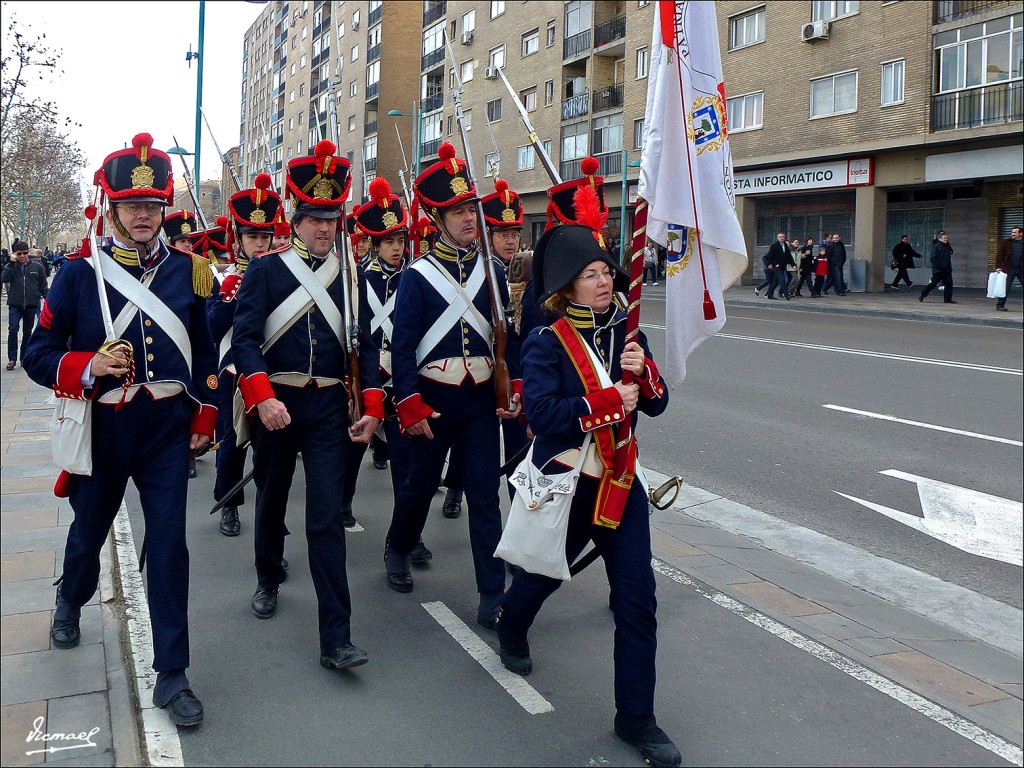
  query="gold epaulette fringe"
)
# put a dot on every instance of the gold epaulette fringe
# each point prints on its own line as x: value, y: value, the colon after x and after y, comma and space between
x: 202, y: 277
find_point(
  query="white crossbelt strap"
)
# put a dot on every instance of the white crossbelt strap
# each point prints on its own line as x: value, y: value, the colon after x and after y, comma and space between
x: 381, y: 313
x: 460, y: 304
x: 296, y: 305
x: 144, y: 299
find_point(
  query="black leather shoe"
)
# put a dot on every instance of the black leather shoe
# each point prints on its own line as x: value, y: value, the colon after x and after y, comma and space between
x: 229, y: 522
x: 185, y: 709
x: 347, y: 518
x: 343, y: 657
x: 380, y: 463
x: 951, y: 301
x: 656, y: 748
x: 400, y: 581
x: 420, y: 554
x: 65, y: 631
x: 397, y: 568
x: 514, y: 652
x: 192, y: 471
x: 264, y: 603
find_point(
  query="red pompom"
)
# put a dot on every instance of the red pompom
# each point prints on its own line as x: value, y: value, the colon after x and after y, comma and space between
x: 380, y: 190
x: 324, y: 148
x: 222, y: 222
x: 589, y: 166
x: 446, y: 151
x: 142, y: 140
x: 263, y: 181
x: 500, y: 185
x: 90, y: 212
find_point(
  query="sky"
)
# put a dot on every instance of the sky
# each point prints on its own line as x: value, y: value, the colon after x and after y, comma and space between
x: 153, y: 89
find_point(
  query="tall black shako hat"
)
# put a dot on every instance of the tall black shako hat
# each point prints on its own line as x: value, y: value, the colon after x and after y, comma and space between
x: 213, y: 242
x: 445, y: 183
x: 140, y: 174
x: 320, y: 183
x: 502, y: 208
x: 563, y: 252
x: 255, y: 210
x: 561, y: 205
x: 384, y: 213
x: 178, y: 225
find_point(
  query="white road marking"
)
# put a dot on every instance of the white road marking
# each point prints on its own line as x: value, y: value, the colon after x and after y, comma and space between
x: 887, y: 417
x: 525, y: 694
x: 931, y: 710
x: 161, y: 735
x: 863, y: 353
x: 975, y: 522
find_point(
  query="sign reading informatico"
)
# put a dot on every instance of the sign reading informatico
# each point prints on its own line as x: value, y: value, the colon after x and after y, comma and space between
x: 840, y: 173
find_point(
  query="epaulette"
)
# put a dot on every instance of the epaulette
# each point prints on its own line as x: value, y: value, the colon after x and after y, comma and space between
x: 202, y: 276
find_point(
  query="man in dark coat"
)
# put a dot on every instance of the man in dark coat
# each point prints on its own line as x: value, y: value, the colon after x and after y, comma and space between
x: 836, y: 250
x: 941, y: 258
x: 1008, y: 260
x: 25, y: 281
x: 903, y: 255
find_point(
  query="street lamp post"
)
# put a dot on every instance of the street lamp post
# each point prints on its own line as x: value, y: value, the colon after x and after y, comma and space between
x: 23, y: 195
x: 198, y: 56
x: 415, y: 115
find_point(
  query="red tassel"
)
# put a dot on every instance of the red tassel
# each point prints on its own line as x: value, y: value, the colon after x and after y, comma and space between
x: 86, y: 250
x: 709, y: 306
x: 62, y: 488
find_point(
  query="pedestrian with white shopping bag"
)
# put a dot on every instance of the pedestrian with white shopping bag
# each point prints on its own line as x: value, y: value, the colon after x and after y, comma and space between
x: 575, y: 400
x: 1008, y: 261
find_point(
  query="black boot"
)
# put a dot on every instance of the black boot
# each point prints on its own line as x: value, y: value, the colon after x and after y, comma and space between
x: 514, y: 651
x: 65, y: 632
x: 642, y: 731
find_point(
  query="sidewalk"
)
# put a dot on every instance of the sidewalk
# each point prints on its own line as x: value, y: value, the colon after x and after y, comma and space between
x: 83, y: 692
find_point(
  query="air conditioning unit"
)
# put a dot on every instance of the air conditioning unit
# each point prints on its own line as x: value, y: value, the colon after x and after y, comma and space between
x: 467, y: 37
x: 355, y: 26
x: 816, y: 30
x: 491, y: 73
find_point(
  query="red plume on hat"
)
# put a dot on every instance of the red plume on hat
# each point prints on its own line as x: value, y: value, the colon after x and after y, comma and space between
x: 446, y: 152
x: 501, y: 187
x: 588, y: 212
x: 380, y: 191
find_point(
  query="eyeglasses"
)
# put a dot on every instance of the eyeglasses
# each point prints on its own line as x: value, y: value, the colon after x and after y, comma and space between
x: 511, y: 234
x: 590, y: 277
x: 134, y: 209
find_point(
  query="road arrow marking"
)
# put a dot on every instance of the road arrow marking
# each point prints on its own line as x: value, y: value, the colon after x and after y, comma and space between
x: 978, y: 523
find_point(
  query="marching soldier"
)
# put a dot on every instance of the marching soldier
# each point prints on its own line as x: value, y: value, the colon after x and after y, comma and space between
x: 178, y: 228
x: 360, y: 240
x: 153, y: 392
x: 442, y: 367
x: 253, y: 212
x: 282, y: 237
x: 289, y: 346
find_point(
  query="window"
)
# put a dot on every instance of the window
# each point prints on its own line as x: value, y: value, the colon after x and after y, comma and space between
x: 467, y: 119
x: 491, y: 164
x: 979, y: 54
x: 642, y: 3
x: 834, y: 95
x: 546, y: 145
x: 372, y: 74
x: 432, y: 126
x: 531, y: 42
x: 355, y: 19
x: 291, y: 123
x: 642, y: 62
x: 497, y: 8
x: 529, y: 99
x: 827, y: 10
x: 745, y: 112
x: 496, y: 57
x: 302, y: 89
x: 494, y: 111
x: 293, y: 68
x: 638, y: 133
x: 433, y: 38
x: 746, y: 29
x: 370, y: 148
x: 298, y: 147
x: 578, y: 17
x: 525, y: 157
x: 351, y: 123
x: 354, y: 55
x: 892, y: 83
x: 551, y: 33
x: 549, y: 93
x: 341, y: 29
x: 451, y: 118
x: 466, y: 71
x: 607, y: 134
x: 469, y: 21
x: 300, y: 118
x: 291, y: 96
x: 574, y: 141
x: 304, y: 32
x: 353, y: 88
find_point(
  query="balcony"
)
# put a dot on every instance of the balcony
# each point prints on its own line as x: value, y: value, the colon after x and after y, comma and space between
x: 370, y: 127
x: 608, y: 98
x: 610, y: 31
x: 432, y: 103
x: 373, y: 54
x: 570, y: 169
x: 575, y: 45
x: 608, y: 164
x: 434, y: 12
x: 372, y: 91
x: 432, y: 59
x: 576, y: 106
x: 429, y: 148
x: 375, y: 15
x: 950, y: 10
x: 977, y: 107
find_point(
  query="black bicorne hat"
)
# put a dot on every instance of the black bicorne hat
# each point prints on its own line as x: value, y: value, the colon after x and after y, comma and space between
x: 319, y: 184
x: 384, y: 213
x: 446, y: 182
x: 255, y: 210
x: 502, y: 208
x: 138, y: 174
x: 180, y: 224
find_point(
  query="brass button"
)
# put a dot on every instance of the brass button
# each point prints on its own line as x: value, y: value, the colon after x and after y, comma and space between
x: 312, y: 358
x: 312, y: 327
x: 618, y: 416
x: 149, y: 357
x: 314, y: 342
x: 149, y: 339
x: 148, y: 321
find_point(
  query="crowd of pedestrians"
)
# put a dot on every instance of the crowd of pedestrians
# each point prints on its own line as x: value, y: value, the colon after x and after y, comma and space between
x: 790, y: 265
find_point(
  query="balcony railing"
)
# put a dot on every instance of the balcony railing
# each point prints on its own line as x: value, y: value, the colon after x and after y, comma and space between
x: 432, y: 59
x: 370, y: 127
x: 431, y: 103
x: 373, y: 54
x: 609, y: 164
x: 570, y: 169
x: 950, y: 10
x: 988, y: 105
x: 609, y: 31
x: 372, y: 90
x: 429, y: 148
x: 375, y: 15
x: 608, y: 98
x: 575, y: 45
x: 434, y: 12
x: 576, y: 106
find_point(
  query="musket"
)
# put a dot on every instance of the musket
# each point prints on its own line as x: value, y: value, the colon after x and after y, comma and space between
x: 223, y: 157
x: 531, y: 133
x: 266, y: 147
x: 502, y: 378
x: 341, y: 245
x: 188, y: 185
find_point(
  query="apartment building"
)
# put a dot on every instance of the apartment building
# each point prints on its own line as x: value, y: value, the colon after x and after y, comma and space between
x: 875, y: 119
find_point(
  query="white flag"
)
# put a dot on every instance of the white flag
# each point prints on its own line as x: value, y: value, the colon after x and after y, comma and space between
x: 686, y: 177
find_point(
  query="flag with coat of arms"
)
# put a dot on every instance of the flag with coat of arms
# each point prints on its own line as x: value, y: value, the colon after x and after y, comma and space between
x: 686, y: 177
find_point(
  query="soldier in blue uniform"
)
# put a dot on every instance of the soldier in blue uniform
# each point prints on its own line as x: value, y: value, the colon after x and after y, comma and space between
x: 442, y: 366
x: 178, y: 228
x: 572, y: 388
x: 253, y: 212
x: 153, y: 401
x: 288, y: 345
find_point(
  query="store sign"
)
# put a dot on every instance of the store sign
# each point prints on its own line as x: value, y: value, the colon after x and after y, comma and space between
x: 633, y: 194
x: 839, y: 173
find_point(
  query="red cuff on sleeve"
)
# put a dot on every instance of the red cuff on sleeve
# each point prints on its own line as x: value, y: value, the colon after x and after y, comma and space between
x: 412, y: 409
x: 373, y: 403
x: 69, y: 375
x: 605, y: 408
x: 204, y: 421
x: 517, y: 388
x: 229, y: 287
x: 255, y: 389
x: 650, y: 383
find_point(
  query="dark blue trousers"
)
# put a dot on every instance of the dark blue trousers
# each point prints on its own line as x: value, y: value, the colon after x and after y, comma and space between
x: 146, y: 441
x: 469, y: 425
x: 26, y: 317
x: 627, y: 560
x: 319, y: 420
x: 230, y: 458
